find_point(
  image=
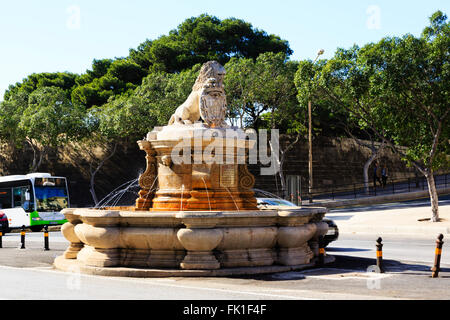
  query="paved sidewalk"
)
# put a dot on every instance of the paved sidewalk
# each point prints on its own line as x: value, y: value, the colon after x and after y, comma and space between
x: 401, y: 218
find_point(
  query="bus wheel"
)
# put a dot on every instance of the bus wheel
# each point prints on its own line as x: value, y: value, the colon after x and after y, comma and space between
x: 36, y: 228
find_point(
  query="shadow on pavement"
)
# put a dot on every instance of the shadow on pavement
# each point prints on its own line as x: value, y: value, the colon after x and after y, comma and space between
x: 340, y: 218
x: 334, y: 249
x: 420, y: 203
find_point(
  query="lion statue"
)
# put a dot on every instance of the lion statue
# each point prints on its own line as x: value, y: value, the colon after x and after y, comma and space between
x: 189, y: 111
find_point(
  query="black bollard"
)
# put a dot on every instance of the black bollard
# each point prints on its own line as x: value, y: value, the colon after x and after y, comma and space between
x: 1, y: 235
x: 22, y: 237
x: 320, y: 261
x: 437, y: 258
x: 380, y: 255
x: 46, y: 247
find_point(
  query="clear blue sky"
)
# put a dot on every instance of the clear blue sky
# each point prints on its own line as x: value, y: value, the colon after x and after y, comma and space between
x: 66, y: 35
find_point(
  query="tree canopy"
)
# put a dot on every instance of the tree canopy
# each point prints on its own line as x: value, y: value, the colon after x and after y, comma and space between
x: 204, y: 38
x: 261, y: 93
x: 397, y: 88
x: 64, y: 80
x: 107, y: 79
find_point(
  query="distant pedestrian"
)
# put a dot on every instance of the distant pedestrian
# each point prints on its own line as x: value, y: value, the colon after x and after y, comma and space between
x: 376, y: 175
x: 384, y: 175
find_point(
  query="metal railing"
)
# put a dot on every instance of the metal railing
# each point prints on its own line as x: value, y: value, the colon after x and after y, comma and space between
x: 355, y: 190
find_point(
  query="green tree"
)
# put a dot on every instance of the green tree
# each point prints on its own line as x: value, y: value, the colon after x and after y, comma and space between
x: 11, y: 112
x: 48, y: 121
x: 163, y: 92
x: 107, y: 79
x: 64, y: 80
x: 274, y: 89
x: 398, y: 89
x: 262, y: 94
x: 275, y: 92
x: 204, y: 38
x: 329, y: 117
x: 239, y: 83
x: 412, y: 80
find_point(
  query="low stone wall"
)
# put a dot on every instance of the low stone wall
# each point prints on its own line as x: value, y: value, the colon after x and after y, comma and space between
x: 336, y: 161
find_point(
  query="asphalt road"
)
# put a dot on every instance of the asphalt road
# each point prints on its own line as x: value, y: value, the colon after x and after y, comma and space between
x: 28, y: 274
x: 394, y: 248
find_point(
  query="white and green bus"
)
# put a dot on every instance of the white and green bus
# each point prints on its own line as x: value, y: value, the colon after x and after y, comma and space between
x: 33, y: 200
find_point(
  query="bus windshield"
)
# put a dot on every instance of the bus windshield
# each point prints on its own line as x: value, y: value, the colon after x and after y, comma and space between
x: 50, y: 198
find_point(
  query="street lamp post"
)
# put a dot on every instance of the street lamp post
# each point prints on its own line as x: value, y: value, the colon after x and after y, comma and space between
x: 310, y: 169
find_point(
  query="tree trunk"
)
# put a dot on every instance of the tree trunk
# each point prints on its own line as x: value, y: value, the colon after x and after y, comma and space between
x: 366, y: 174
x: 281, y: 161
x: 94, y: 172
x: 282, y: 178
x: 366, y: 170
x: 92, y: 188
x: 433, y: 197
x: 241, y: 118
x: 38, y: 156
x: 375, y: 153
x: 34, y: 163
x: 38, y: 165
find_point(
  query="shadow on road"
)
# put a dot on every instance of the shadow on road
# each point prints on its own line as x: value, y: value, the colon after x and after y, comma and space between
x: 361, y: 264
x: 352, y: 266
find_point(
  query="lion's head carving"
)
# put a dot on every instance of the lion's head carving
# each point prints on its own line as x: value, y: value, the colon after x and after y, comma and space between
x: 211, y: 69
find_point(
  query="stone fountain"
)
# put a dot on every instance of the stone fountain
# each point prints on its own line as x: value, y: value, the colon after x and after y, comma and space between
x: 196, y: 214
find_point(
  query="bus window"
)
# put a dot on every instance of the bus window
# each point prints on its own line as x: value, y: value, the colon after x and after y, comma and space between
x: 21, y: 197
x: 5, y: 198
x: 50, y: 182
x: 51, y: 198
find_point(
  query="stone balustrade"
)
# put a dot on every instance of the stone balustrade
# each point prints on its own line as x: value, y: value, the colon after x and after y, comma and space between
x: 187, y: 240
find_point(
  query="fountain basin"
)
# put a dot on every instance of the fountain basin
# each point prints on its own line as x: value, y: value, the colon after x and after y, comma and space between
x: 196, y: 214
x: 190, y: 243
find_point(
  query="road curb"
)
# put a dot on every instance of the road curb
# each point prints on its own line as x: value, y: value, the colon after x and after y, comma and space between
x: 74, y: 266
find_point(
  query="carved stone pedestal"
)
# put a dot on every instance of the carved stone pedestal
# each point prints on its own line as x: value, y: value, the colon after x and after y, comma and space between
x: 147, y: 180
x: 76, y: 245
x: 198, y: 169
x: 199, y: 244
